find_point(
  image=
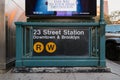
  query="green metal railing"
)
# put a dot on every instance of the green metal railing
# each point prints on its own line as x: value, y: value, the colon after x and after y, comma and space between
x: 24, y: 33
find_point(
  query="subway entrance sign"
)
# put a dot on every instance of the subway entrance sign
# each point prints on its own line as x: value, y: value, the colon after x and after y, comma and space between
x: 61, y: 41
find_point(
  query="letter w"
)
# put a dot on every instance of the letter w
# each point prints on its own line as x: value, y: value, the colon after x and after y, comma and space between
x: 51, y: 47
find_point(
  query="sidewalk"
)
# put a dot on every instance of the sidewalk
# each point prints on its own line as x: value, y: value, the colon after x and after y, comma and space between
x: 114, y: 75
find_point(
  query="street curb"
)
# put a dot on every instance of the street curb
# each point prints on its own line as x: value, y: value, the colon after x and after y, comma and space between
x: 61, y: 70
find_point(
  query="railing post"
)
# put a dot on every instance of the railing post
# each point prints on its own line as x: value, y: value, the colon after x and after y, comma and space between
x: 19, y: 45
x: 102, y: 35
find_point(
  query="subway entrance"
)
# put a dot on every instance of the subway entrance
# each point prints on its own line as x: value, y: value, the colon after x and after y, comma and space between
x: 57, y: 36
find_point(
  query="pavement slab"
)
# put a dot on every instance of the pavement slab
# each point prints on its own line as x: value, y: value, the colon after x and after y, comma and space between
x: 113, y: 75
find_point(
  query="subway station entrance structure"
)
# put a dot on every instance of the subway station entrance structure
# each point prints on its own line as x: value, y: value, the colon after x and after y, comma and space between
x: 61, y: 43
